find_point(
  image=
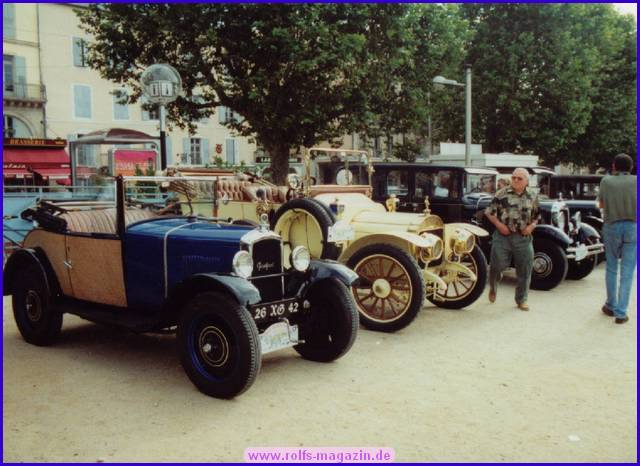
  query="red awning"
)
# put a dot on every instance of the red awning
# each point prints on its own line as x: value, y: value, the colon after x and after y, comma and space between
x: 16, y: 173
x: 31, y: 156
x: 53, y: 173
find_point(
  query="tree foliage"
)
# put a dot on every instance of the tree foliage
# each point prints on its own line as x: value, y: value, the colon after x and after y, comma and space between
x: 540, y: 78
x: 558, y: 80
x: 289, y: 70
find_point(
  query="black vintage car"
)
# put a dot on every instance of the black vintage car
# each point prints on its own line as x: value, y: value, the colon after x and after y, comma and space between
x: 564, y: 247
x: 579, y: 192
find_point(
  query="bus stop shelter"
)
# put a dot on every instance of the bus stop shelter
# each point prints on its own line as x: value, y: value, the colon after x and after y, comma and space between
x: 119, y: 136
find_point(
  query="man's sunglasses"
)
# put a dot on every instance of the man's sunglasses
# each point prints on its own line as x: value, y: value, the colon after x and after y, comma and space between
x: 517, y: 178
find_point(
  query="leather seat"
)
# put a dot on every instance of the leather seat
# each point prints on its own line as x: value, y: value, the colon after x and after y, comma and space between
x: 101, y: 220
x: 275, y: 194
x: 232, y: 188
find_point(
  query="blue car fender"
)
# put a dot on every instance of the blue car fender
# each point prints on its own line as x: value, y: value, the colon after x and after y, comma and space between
x: 321, y: 269
x: 240, y: 288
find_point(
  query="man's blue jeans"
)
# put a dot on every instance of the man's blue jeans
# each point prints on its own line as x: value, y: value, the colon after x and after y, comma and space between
x: 620, y: 250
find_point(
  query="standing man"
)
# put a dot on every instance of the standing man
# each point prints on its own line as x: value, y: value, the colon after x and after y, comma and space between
x: 514, y: 212
x: 617, y: 199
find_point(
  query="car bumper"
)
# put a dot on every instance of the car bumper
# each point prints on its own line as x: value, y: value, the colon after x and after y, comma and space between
x: 582, y: 251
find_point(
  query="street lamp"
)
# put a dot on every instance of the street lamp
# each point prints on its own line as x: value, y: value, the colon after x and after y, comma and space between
x: 161, y: 84
x: 438, y: 83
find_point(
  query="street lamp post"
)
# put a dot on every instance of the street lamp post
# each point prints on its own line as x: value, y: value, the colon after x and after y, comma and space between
x: 440, y: 81
x: 161, y: 84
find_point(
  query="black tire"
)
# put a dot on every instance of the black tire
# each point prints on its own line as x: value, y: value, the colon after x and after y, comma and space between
x: 579, y: 270
x: 38, y: 321
x: 331, y: 326
x: 321, y: 214
x: 219, y: 345
x: 550, y: 264
x: 463, y: 293
x: 409, y: 282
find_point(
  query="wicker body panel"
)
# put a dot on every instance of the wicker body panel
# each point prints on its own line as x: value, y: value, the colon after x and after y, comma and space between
x: 96, y: 272
x: 54, y: 246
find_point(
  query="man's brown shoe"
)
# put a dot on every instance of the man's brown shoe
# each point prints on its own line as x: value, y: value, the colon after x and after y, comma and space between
x: 492, y: 296
x: 523, y: 306
x: 607, y: 311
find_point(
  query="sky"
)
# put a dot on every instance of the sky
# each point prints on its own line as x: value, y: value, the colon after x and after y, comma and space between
x: 628, y: 8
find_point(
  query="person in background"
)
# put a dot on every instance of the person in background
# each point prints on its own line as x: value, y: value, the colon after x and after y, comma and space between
x: 514, y: 212
x: 617, y: 199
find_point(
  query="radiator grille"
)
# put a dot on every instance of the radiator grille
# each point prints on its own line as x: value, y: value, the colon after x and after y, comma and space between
x: 267, y: 260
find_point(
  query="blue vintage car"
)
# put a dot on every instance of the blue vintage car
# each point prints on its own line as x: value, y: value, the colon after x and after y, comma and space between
x: 229, y: 290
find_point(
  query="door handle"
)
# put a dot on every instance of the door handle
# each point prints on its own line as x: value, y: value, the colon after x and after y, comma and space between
x: 68, y: 264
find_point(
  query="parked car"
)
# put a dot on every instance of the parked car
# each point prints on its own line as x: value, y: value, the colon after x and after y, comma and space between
x: 231, y: 290
x: 563, y: 247
x: 401, y: 258
x: 579, y: 192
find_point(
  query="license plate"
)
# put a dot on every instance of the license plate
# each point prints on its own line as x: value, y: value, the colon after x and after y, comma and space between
x: 581, y: 252
x: 278, y: 336
x: 341, y: 231
x: 275, y: 311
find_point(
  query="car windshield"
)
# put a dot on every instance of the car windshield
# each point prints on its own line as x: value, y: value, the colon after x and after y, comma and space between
x: 437, y: 184
x: 480, y: 183
x: 338, y: 167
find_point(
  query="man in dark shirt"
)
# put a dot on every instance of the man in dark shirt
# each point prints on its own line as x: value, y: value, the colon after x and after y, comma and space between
x: 617, y: 198
x: 514, y: 212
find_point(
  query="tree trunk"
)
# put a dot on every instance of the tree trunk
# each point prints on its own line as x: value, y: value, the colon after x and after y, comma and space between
x: 279, y: 163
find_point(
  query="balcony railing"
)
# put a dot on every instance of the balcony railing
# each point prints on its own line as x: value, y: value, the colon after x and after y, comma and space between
x: 24, y: 92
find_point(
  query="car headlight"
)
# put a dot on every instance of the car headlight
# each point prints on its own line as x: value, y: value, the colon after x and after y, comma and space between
x: 577, y: 220
x: 562, y: 221
x: 434, y: 250
x: 462, y: 242
x: 242, y: 264
x: 300, y: 258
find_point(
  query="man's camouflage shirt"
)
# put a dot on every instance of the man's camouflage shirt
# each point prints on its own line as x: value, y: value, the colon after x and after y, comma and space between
x: 515, y: 210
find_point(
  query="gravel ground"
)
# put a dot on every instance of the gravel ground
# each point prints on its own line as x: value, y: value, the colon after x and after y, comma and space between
x: 490, y: 383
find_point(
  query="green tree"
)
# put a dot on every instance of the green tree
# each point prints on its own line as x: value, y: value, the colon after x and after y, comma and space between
x: 407, y: 44
x: 533, y: 76
x: 289, y: 70
x: 612, y: 124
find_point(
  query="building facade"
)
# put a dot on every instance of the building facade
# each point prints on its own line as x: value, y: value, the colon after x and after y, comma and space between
x: 50, y: 92
x: 23, y: 93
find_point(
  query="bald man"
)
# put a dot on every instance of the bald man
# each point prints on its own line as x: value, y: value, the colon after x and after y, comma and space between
x: 514, y: 212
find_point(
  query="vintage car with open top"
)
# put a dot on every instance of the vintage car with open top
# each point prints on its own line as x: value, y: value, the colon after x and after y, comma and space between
x: 233, y: 291
x: 401, y: 258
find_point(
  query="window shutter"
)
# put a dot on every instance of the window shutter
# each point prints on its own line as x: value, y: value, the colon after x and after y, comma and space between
x: 221, y: 115
x: 186, y: 150
x: 77, y: 51
x: 82, y: 101
x: 20, y: 70
x: 8, y: 20
x: 120, y: 111
x: 204, y: 148
x: 230, y: 150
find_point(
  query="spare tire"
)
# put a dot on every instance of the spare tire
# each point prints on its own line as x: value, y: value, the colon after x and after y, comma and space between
x: 306, y: 222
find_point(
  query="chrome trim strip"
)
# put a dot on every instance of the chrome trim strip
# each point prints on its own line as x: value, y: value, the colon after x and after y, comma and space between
x: 166, y: 270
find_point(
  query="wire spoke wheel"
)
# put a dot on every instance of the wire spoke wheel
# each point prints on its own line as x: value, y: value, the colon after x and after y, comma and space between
x: 390, y: 294
x: 461, y: 289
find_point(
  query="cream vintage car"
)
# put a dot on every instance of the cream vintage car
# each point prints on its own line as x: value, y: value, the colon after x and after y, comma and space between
x: 402, y: 258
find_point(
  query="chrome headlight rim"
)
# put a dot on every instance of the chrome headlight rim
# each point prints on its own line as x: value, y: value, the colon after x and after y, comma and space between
x: 300, y: 258
x: 463, y: 242
x: 434, y: 250
x: 242, y: 264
